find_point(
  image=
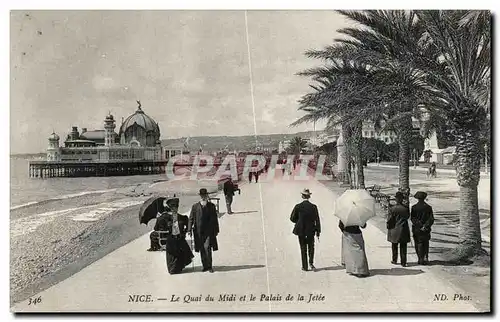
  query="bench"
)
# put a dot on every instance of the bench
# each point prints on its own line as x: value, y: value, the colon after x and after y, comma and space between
x: 217, y: 201
x: 373, y: 190
x: 386, y: 200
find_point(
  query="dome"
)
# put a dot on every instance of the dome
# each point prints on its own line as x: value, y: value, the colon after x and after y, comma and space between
x: 141, y: 119
x: 54, y: 137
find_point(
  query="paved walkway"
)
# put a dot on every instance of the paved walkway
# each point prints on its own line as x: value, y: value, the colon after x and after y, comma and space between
x: 258, y: 256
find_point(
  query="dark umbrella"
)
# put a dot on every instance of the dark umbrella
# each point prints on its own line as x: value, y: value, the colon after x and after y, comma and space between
x: 150, y: 208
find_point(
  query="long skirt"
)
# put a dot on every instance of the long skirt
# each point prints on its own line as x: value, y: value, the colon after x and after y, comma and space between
x: 179, y: 255
x: 353, y: 254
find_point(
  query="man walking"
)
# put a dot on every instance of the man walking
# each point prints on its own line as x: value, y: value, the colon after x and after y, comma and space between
x: 204, y: 226
x: 422, y: 218
x: 398, y: 231
x: 307, y: 224
x: 229, y: 189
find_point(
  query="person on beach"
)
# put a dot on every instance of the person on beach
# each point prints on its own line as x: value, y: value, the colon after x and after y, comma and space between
x: 398, y: 231
x: 353, y: 251
x: 179, y: 255
x: 204, y: 227
x: 422, y: 218
x: 307, y: 224
x: 229, y: 189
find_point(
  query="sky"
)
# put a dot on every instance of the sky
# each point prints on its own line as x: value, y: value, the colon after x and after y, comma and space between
x: 189, y: 69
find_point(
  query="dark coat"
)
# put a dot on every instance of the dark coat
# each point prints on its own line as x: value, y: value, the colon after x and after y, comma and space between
x: 351, y: 229
x: 398, y: 230
x: 204, y: 225
x: 168, y: 222
x: 306, y: 218
x: 422, y: 219
x: 229, y: 188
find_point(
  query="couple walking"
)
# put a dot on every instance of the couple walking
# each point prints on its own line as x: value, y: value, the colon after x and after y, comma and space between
x: 171, y: 229
x: 307, y: 225
x: 398, y: 231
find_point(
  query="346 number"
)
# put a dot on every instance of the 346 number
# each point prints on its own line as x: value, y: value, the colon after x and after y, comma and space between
x: 35, y: 301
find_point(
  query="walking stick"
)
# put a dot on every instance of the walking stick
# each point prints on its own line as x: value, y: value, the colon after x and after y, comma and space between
x: 192, y: 248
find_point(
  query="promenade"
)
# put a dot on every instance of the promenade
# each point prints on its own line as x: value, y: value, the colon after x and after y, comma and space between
x: 258, y: 257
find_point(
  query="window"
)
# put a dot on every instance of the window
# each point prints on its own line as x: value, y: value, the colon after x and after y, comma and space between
x: 371, y: 134
x: 386, y: 139
x: 366, y: 133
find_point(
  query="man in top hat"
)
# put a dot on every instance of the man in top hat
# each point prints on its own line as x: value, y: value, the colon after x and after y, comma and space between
x: 422, y: 219
x: 307, y: 224
x: 204, y: 226
x: 162, y: 225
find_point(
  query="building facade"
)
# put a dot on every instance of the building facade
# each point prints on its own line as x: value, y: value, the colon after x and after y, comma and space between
x: 138, y: 139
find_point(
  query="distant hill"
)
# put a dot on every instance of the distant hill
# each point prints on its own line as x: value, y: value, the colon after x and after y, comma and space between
x: 215, y: 143
x: 28, y: 155
x: 240, y: 143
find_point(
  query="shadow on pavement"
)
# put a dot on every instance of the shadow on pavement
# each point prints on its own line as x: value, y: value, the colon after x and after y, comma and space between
x: 439, y: 240
x: 446, y: 263
x: 330, y: 268
x: 235, y: 268
x: 196, y: 269
x: 395, y: 271
x: 444, y: 234
x: 243, y: 212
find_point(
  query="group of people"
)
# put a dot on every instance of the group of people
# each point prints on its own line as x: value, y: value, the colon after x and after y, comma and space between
x: 353, y: 256
x: 202, y: 224
x: 422, y: 219
x: 171, y: 229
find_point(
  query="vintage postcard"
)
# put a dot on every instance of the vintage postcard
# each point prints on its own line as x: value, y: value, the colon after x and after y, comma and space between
x: 250, y: 161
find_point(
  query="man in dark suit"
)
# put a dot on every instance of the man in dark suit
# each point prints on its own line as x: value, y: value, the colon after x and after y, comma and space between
x: 204, y: 226
x: 422, y: 218
x: 229, y: 189
x: 398, y: 231
x: 307, y: 224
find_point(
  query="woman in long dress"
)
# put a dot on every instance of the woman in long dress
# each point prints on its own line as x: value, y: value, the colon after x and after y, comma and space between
x: 353, y: 251
x: 179, y: 254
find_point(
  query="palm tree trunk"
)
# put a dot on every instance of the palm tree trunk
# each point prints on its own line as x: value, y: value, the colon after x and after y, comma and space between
x: 404, y: 132
x: 358, y: 155
x: 346, y: 134
x: 468, y: 175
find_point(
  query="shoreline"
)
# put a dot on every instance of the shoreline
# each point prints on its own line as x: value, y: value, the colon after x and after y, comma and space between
x: 64, y: 243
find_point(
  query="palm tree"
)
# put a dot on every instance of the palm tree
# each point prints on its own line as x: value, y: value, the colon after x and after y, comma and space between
x: 335, y: 98
x: 462, y: 98
x: 437, y: 63
x: 297, y: 144
x: 382, y: 44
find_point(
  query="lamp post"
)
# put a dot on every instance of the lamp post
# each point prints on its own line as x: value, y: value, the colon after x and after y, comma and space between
x: 485, y: 158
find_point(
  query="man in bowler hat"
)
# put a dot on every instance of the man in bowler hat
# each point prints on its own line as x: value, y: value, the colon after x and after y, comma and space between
x: 422, y: 219
x: 398, y: 231
x: 204, y: 226
x: 307, y: 224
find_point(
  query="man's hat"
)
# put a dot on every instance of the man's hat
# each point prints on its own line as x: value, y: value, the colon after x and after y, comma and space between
x: 203, y: 192
x: 420, y: 195
x: 306, y: 192
x: 399, y: 195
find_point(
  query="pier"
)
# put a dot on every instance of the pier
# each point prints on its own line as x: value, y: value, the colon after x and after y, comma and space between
x: 51, y: 169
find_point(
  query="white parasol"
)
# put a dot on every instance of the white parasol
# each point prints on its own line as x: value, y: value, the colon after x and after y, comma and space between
x: 354, y: 207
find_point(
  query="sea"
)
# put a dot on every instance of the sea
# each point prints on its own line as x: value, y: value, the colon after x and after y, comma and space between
x: 25, y: 191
